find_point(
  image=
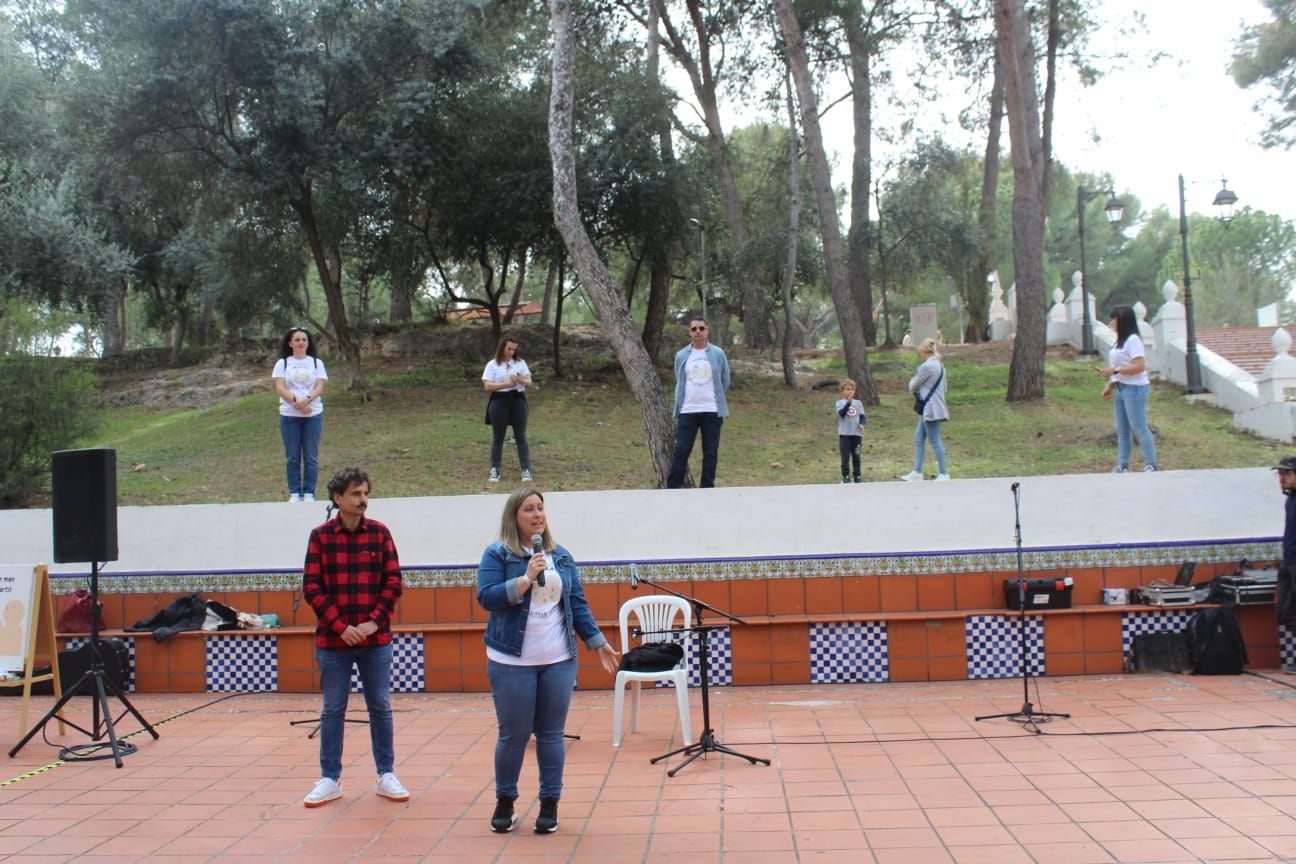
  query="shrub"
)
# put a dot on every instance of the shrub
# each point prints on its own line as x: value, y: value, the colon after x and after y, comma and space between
x: 46, y: 404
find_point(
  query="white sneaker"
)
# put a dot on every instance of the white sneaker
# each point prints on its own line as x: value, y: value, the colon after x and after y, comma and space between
x: 526, y: 476
x: 325, y: 790
x: 494, y: 475
x: 390, y: 787
x: 1149, y: 468
x: 942, y: 476
x: 308, y: 497
x: 294, y: 498
x: 913, y: 475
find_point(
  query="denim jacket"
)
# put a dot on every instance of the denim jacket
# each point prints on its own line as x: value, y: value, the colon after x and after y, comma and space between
x: 497, y: 577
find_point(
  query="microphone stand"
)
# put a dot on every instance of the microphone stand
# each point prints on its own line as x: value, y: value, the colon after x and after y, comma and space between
x: 1027, y: 716
x: 706, y: 742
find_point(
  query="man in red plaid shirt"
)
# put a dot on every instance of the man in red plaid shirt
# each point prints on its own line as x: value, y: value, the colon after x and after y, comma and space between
x: 352, y: 580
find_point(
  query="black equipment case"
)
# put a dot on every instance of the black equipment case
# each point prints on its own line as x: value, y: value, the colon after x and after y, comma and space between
x: 1040, y: 593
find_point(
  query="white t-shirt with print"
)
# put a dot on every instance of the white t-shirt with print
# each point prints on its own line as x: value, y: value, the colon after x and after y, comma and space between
x: 498, y: 373
x: 545, y: 639
x: 299, y: 376
x: 699, y: 389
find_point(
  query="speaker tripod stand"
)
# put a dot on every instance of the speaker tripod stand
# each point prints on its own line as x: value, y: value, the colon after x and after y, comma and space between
x: 97, y: 685
x: 1027, y: 715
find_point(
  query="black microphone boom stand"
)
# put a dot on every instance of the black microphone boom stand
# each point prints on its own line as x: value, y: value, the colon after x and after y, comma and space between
x: 706, y: 742
x: 1027, y: 716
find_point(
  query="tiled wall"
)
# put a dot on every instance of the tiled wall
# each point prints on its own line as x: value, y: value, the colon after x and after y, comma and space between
x: 861, y: 619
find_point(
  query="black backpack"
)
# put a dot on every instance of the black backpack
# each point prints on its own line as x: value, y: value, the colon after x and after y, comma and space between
x: 1215, y: 643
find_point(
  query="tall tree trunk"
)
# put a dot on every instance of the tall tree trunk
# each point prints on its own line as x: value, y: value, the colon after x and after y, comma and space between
x: 205, y: 320
x: 857, y: 240
x: 518, y: 285
x: 848, y: 317
x: 328, y: 265
x: 661, y: 259
x: 1026, y: 374
x: 702, y: 76
x: 402, y: 295
x: 180, y: 327
x: 794, y: 230
x: 546, y: 308
x: 614, y: 316
x: 112, y: 318
x: 975, y: 292
x: 557, y: 328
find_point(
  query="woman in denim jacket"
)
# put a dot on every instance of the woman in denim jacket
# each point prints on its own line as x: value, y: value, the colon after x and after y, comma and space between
x: 537, y: 609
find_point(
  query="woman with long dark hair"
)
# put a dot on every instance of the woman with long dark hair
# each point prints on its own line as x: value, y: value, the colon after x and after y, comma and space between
x: 1127, y: 389
x: 506, y: 378
x: 299, y: 378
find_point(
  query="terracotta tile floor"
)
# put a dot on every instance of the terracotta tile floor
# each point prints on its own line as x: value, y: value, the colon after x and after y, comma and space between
x: 1146, y: 769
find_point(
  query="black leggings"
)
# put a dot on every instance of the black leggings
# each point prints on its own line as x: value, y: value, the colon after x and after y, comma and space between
x: 506, y: 411
x: 849, y: 446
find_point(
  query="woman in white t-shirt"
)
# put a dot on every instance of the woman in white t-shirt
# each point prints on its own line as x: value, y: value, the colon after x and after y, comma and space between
x: 299, y: 378
x: 1128, y: 383
x: 532, y: 589
x: 506, y: 378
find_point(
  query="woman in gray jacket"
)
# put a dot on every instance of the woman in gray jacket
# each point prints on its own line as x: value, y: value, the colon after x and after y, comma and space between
x: 928, y: 386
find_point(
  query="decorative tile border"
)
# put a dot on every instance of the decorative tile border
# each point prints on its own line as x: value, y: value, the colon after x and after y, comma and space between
x: 849, y: 653
x: 723, y: 569
x: 994, y: 646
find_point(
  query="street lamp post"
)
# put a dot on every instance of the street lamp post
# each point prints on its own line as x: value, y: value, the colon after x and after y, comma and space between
x: 1223, y: 203
x: 1113, y: 211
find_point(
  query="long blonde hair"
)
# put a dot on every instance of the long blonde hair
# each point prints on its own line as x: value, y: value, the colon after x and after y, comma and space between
x: 508, y: 523
x: 928, y: 345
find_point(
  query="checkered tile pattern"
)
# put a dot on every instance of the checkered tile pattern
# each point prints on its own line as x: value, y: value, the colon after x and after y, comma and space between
x: 78, y: 641
x: 242, y: 664
x: 720, y: 654
x: 1286, y: 646
x: 994, y: 646
x: 849, y: 653
x: 407, y: 665
x: 1136, y: 623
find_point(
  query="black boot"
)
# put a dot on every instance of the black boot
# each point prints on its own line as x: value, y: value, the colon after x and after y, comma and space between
x: 504, y: 818
x: 547, y: 821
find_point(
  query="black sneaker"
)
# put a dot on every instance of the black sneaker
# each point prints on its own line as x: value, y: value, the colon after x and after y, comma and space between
x: 547, y: 821
x: 503, y: 820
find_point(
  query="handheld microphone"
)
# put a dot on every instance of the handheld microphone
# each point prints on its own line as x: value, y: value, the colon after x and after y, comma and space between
x: 537, y: 548
x: 634, y: 577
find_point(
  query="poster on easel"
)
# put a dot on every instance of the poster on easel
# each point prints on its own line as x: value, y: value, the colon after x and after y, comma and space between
x: 26, y: 629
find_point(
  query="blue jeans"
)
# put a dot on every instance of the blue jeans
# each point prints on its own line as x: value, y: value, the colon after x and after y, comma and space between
x: 301, y: 436
x: 1130, y: 407
x: 929, y: 430
x: 685, y: 434
x: 374, y: 665
x: 531, y: 699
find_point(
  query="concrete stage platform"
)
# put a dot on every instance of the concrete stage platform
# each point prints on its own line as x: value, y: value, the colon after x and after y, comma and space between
x: 1149, y: 768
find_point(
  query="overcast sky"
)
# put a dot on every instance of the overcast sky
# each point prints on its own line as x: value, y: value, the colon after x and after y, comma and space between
x: 1144, y: 122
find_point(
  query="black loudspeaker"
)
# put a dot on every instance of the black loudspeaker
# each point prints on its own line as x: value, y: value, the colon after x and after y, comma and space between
x: 84, y: 489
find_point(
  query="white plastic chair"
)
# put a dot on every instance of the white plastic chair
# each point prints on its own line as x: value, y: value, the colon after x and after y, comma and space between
x: 654, y: 614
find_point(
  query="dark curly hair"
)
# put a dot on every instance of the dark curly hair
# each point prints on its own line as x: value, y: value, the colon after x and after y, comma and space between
x: 340, y: 482
x: 285, y: 349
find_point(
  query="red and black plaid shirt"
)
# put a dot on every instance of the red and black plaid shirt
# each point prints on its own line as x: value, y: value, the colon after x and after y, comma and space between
x: 351, y: 577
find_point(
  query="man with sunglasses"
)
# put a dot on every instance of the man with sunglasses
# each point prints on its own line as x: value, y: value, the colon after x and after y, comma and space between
x: 701, y: 379
x: 1285, y: 598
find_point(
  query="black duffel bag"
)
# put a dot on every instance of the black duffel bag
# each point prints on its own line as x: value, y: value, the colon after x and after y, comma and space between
x: 652, y: 657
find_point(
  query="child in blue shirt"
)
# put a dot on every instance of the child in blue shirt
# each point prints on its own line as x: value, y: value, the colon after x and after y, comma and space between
x: 850, y: 437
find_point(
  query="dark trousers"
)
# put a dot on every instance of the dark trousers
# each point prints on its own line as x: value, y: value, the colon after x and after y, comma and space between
x: 1284, y: 601
x: 505, y: 412
x: 849, y: 447
x: 685, y: 434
